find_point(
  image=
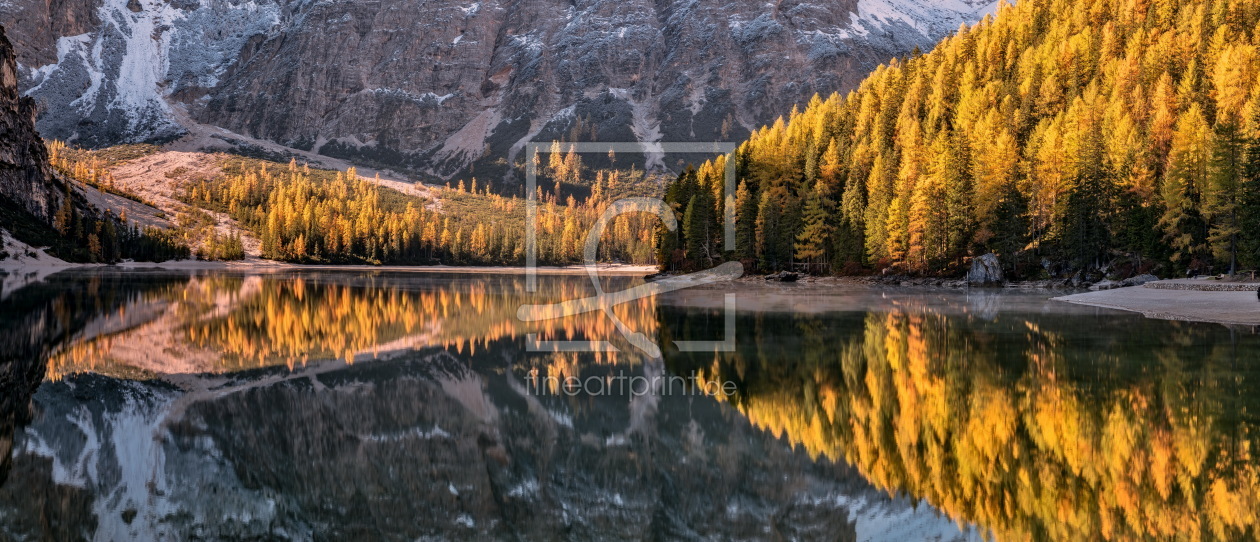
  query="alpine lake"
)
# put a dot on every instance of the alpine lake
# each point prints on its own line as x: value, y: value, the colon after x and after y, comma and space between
x: 349, y: 405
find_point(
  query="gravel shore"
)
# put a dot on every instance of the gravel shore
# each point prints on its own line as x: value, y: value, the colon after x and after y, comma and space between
x: 1180, y: 300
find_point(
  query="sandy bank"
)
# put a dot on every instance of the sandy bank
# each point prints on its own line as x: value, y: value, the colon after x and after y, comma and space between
x: 1222, y: 307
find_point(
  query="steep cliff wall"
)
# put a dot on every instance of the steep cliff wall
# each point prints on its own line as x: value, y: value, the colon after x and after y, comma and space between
x: 26, y: 179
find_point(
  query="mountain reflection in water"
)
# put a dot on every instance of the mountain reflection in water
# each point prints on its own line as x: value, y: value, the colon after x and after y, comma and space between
x: 400, y: 406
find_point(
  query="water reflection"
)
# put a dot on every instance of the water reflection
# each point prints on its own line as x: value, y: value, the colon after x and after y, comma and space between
x: 1034, y: 422
x: 223, y: 407
x: 396, y: 406
x: 219, y: 324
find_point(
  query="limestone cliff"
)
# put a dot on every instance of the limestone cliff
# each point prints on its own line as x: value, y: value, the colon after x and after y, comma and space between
x: 26, y: 178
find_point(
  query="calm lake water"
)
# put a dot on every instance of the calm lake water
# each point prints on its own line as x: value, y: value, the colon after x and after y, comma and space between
x: 396, y: 406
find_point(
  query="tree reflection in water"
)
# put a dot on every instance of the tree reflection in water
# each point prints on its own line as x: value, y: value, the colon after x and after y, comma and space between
x: 221, y: 324
x: 1034, y: 426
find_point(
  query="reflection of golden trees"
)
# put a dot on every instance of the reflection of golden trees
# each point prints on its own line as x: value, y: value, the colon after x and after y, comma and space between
x: 239, y: 323
x: 919, y: 403
x: 290, y: 322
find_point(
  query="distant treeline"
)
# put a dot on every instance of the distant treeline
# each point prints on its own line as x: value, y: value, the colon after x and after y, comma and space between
x: 347, y: 219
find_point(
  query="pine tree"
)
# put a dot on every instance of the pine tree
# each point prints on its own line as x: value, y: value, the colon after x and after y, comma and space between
x: 1182, y: 222
x: 1010, y: 226
x: 698, y: 228
x: 814, y: 240
x: 959, y: 192
x: 1085, y: 233
x: 774, y: 234
x: 1224, y: 193
x: 850, y: 236
x: 1249, y: 205
x: 746, y: 203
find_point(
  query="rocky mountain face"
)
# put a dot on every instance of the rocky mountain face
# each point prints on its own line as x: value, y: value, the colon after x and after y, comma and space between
x: 438, y: 88
x: 26, y: 178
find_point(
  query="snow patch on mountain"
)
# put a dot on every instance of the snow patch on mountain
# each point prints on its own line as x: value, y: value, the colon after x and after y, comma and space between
x: 928, y: 19
x: 646, y: 127
x: 896, y: 21
x: 119, y: 76
x: 430, y: 98
x: 67, y: 47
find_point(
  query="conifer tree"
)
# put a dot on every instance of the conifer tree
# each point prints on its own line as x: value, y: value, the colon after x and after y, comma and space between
x: 1182, y: 221
x: 746, y: 203
x: 697, y: 228
x: 1223, y: 195
x: 774, y: 236
x: 1249, y: 204
x: 814, y: 240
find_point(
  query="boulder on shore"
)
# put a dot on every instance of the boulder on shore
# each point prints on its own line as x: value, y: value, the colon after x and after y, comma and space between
x: 1138, y: 280
x: 986, y: 270
x: 784, y: 276
x: 1106, y: 285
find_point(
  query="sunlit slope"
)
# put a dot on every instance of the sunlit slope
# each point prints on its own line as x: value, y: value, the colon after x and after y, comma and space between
x: 1090, y: 132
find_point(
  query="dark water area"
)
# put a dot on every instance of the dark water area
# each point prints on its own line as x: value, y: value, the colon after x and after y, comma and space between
x: 399, y: 406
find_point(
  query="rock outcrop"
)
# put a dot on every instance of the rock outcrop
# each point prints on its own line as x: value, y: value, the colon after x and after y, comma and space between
x: 26, y: 178
x: 986, y: 270
x: 446, y: 87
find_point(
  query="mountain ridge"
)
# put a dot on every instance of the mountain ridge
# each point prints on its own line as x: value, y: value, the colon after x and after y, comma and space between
x: 350, y: 80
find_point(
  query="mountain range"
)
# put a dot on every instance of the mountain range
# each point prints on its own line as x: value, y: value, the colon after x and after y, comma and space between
x: 436, y: 89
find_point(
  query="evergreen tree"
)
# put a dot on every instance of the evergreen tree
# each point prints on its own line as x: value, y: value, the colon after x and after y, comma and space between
x: 959, y: 191
x: 814, y: 240
x: 1182, y: 221
x: 1085, y: 234
x: 1010, y: 226
x: 1249, y: 207
x: 774, y: 238
x: 698, y: 229
x: 1223, y: 195
x: 746, y: 203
